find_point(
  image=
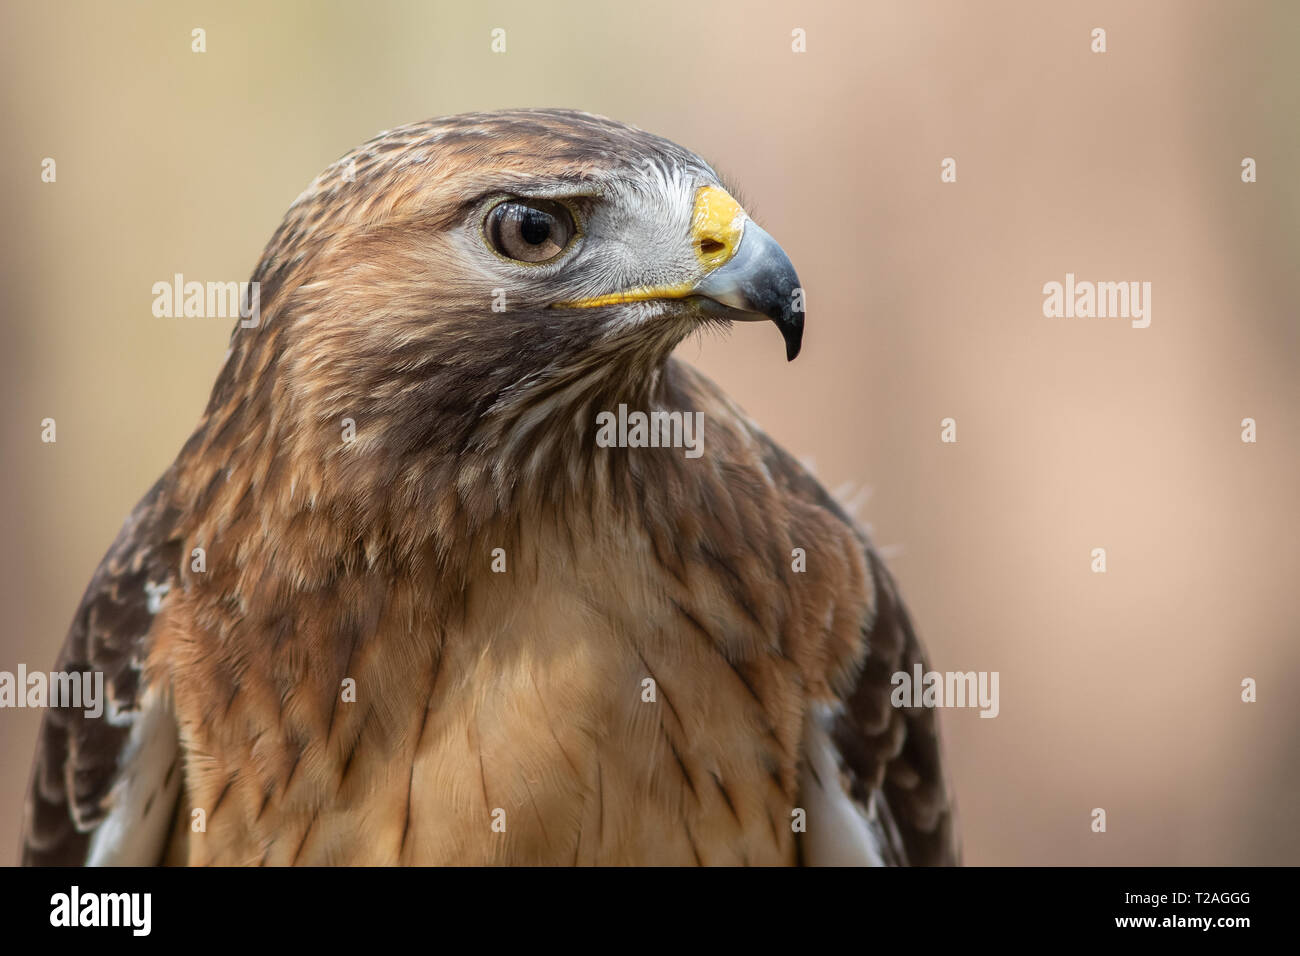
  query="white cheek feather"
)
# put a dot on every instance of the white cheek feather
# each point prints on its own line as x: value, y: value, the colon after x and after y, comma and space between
x: 841, y: 831
x: 644, y: 231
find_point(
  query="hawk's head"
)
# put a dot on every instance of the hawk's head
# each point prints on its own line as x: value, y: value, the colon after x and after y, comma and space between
x: 484, y: 282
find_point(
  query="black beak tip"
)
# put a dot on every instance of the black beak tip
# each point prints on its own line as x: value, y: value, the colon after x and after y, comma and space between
x: 791, y: 326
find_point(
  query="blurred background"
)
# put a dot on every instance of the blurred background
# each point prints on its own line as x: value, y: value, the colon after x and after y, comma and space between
x: 1119, y: 690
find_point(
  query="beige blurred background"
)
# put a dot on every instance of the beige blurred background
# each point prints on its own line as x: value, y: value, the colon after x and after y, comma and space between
x: 1119, y: 691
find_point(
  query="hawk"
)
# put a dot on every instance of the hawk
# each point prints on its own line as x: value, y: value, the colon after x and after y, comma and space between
x: 394, y: 603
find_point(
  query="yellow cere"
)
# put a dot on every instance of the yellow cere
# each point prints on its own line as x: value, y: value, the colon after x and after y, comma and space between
x: 717, y: 225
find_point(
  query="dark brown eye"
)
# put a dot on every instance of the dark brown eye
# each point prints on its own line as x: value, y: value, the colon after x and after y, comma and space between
x: 531, y: 230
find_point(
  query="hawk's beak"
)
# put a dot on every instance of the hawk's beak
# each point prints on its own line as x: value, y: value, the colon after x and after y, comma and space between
x: 748, y: 270
x: 742, y: 268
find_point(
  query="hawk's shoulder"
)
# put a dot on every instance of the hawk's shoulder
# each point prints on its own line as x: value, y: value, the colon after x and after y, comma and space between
x: 877, y: 768
x: 103, y: 788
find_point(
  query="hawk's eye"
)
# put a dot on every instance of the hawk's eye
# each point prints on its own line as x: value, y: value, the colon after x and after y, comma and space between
x: 531, y: 230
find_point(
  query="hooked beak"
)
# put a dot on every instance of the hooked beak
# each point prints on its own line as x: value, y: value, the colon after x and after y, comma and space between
x: 759, y: 280
x: 742, y: 268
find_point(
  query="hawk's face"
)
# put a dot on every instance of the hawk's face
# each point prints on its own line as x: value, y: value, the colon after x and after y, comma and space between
x: 447, y: 282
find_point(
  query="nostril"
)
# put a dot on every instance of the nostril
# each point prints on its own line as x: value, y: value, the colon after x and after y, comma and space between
x: 711, y: 246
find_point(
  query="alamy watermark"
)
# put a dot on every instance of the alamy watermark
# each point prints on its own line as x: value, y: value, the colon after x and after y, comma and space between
x: 130, y: 910
x: 923, y: 688
x: 1098, y: 300
x: 208, y: 300
x: 77, y: 690
x: 657, y: 429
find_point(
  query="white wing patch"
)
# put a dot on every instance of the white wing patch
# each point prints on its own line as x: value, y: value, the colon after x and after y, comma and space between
x: 841, y: 831
x: 156, y: 593
x: 143, y: 799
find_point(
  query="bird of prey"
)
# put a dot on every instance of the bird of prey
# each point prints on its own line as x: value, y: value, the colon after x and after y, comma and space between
x: 396, y: 603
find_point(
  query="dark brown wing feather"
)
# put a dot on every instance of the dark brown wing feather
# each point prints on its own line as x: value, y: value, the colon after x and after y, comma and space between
x: 893, y: 750
x: 886, y: 752
x: 77, y: 757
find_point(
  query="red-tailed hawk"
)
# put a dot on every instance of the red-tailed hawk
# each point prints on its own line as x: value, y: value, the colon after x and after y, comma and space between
x: 461, y: 566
